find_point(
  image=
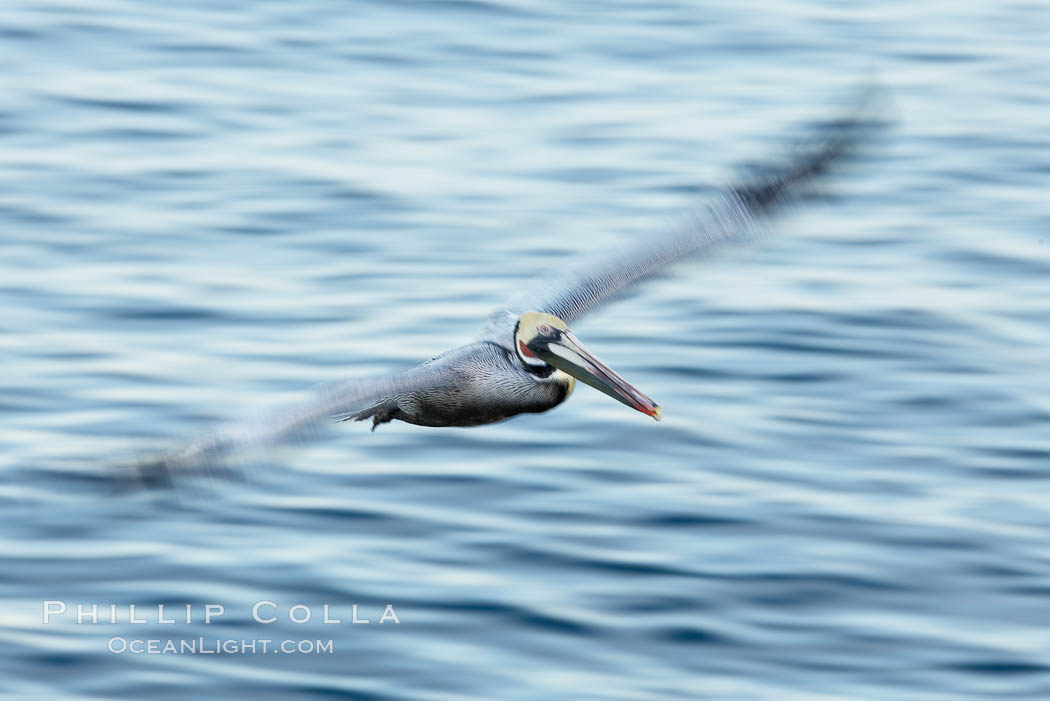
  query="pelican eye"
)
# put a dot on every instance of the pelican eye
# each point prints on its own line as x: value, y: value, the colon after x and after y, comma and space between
x: 545, y: 329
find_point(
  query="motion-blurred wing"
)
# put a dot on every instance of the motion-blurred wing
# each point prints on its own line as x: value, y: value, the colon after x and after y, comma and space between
x: 250, y: 436
x: 729, y: 218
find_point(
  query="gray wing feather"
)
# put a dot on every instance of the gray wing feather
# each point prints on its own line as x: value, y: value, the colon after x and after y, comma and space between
x: 249, y: 436
x: 730, y: 218
x: 570, y: 295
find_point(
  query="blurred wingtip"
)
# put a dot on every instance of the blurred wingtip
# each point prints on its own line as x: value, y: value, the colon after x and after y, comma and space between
x: 169, y: 472
x: 868, y: 114
x: 153, y: 472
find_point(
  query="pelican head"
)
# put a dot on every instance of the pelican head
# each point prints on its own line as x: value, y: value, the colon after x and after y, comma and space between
x: 543, y: 340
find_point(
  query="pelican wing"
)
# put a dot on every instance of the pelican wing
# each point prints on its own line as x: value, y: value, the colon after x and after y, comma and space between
x: 297, y: 421
x: 730, y: 218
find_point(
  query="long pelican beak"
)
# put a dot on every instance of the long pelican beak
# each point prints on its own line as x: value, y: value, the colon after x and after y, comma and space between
x: 569, y: 355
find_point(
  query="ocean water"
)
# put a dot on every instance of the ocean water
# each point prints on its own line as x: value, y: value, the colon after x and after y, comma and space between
x: 210, y: 207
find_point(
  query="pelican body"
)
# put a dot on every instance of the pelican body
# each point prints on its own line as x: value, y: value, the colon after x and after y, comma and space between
x: 485, y: 381
x: 526, y: 359
x: 480, y: 383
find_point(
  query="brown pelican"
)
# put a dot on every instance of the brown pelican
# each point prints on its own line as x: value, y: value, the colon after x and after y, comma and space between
x: 526, y: 359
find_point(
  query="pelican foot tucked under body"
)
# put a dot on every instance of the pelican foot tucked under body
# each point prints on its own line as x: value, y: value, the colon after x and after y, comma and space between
x: 526, y: 360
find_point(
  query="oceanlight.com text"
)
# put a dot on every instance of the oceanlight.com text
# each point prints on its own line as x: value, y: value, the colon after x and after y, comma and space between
x: 230, y: 646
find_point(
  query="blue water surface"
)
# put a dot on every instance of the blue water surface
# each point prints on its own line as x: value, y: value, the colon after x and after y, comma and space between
x: 210, y: 207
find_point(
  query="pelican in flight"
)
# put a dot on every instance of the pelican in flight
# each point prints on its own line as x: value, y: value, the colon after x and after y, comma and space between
x: 527, y: 359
